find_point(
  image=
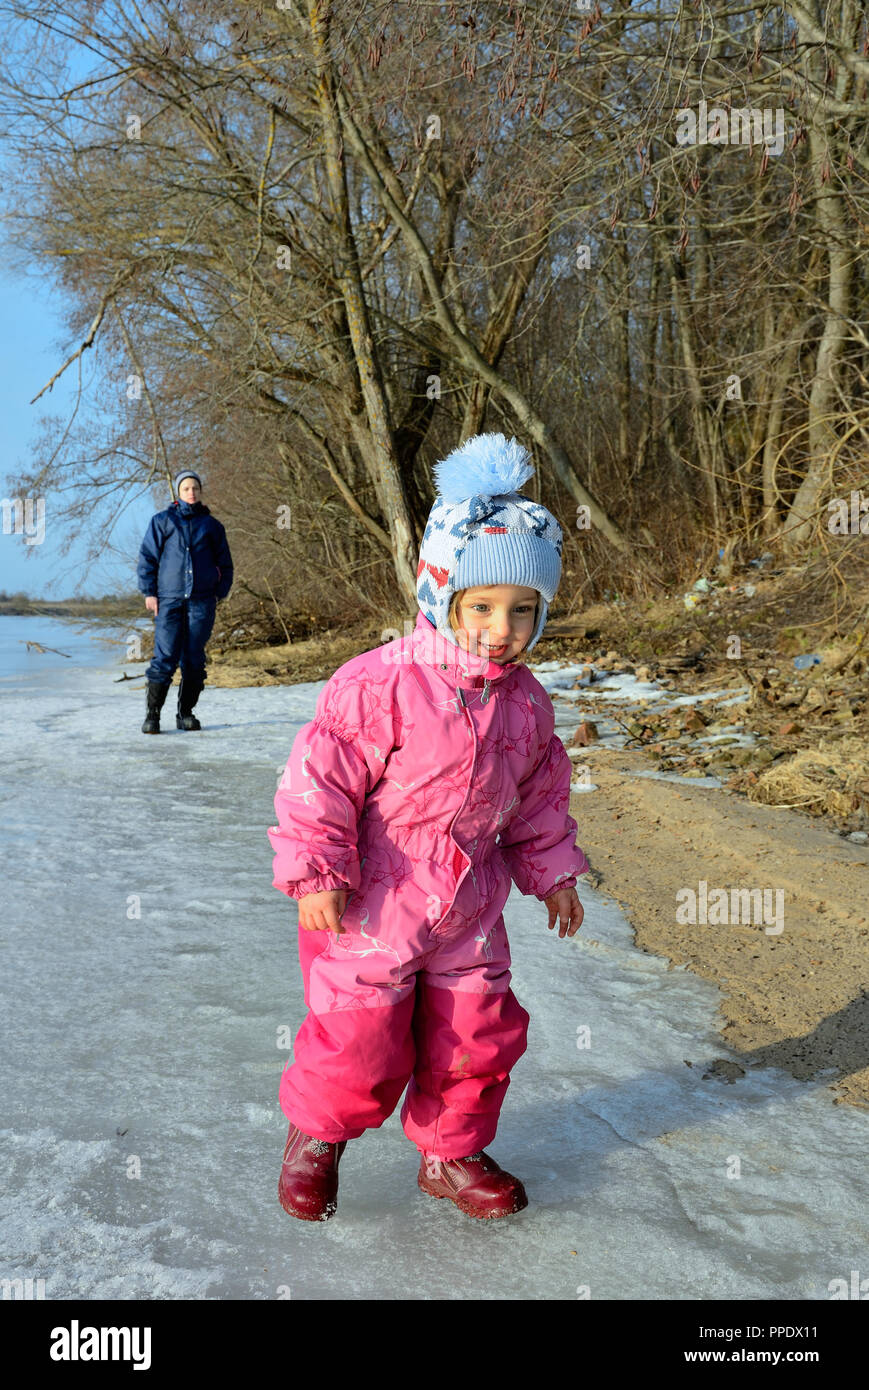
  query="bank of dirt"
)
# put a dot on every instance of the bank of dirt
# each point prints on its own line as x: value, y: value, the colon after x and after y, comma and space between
x: 287, y: 663
x: 798, y: 999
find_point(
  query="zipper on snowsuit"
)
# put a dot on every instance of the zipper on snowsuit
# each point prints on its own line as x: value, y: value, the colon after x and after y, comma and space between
x: 463, y: 704
x: 483, y: 698
x: 458, y: 850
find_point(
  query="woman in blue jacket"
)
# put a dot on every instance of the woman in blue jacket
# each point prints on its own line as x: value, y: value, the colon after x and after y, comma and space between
x: 184, y: 568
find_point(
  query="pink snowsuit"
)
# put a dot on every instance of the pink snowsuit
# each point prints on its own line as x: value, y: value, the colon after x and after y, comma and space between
x: 427, y: 778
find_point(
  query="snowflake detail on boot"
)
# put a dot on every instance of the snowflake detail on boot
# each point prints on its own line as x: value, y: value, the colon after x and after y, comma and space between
x: 476, y: 1184
x: 308, y: 1185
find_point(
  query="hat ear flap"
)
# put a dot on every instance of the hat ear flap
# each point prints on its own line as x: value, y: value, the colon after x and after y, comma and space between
x: 542, y: 615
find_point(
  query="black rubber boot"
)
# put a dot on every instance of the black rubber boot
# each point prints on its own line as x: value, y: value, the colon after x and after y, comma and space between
x: 188, y: 693
x: 157, y: 692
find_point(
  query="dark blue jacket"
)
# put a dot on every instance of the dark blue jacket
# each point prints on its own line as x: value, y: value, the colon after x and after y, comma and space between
x: 185, y: 554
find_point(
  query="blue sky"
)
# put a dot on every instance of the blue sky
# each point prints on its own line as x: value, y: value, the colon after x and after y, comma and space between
x: 34, y: 342
x: 32, y: 347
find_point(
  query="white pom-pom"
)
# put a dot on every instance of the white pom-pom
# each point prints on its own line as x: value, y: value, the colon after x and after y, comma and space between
x: 487, y: 465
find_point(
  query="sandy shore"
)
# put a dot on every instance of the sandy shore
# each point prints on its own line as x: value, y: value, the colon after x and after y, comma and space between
x: 796, y: 999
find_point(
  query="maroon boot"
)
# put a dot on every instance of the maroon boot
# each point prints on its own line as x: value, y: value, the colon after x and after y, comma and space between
x: 308, y: 1186
x: 477, y: 1184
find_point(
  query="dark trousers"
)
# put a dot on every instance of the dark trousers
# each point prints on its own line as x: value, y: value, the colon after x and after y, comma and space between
x: 181, y: 629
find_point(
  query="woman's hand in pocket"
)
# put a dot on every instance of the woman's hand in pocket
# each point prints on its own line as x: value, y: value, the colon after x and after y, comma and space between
x: 323, y: 911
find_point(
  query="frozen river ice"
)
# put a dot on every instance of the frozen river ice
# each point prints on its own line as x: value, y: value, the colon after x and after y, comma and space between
x: 149, y: 980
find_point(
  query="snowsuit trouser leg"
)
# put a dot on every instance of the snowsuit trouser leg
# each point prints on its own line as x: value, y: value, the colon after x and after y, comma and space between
x: 181, y: 630
x: 453, y: 1029
x: 468, y: 1039
x: 350, y: 1064
x: 466, y: 1045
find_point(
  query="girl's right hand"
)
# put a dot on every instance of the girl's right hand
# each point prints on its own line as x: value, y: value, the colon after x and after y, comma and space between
x: 151, y: 605
x: 323, y: 911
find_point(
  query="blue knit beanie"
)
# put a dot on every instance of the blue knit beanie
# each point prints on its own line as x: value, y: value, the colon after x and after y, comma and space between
x: 186, y: 473
x: 482, y: 531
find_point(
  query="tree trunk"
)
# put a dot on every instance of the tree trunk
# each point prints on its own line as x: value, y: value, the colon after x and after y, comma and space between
x: 781, y: 374
x: 823, y: 407
x: 374, y: 440
x: 706, y: 435
x: 623, y: 352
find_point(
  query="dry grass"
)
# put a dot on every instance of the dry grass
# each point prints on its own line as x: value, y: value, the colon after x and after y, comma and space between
x: 831, y: 778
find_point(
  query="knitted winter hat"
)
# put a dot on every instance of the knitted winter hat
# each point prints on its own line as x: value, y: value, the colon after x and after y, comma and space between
x: 186, y: 473
x: 482, y: 531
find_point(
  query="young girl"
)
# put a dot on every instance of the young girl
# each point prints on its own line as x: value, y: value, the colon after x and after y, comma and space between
x: 429, y: 777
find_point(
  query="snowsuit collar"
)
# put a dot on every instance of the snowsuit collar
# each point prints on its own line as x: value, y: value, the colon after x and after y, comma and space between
x: 468, y: 669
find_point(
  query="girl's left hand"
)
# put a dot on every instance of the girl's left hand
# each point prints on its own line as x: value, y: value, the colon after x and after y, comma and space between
x: 565, y: 905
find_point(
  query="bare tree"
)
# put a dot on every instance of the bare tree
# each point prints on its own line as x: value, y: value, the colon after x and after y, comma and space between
x: 329, y: 245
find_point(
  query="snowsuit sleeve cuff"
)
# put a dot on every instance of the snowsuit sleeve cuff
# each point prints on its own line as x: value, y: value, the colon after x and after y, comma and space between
x: 565, y: 883
x: 319, y: 883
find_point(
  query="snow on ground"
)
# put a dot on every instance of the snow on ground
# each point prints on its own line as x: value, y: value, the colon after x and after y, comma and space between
x: 148, y: 967
x: 567, y: 685
x: 561, y: 677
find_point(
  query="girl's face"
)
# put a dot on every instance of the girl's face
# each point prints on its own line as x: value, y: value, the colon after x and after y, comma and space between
x: 189, y: 490
x: 496, y: 621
